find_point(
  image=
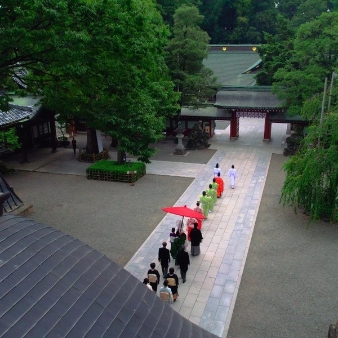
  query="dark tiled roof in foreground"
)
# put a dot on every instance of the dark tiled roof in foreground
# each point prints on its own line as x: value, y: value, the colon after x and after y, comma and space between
x: 53, y: 285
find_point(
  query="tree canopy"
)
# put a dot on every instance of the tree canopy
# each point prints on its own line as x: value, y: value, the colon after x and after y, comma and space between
x: 185, y: 54
x: 100, y: 60
x: 297, y: 65
x: 314, y: 57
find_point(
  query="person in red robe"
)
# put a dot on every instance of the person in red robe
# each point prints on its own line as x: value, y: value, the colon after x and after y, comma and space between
x: 220, y: 182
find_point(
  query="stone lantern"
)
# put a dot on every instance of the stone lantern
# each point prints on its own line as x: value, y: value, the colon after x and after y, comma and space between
x: 179, y: 134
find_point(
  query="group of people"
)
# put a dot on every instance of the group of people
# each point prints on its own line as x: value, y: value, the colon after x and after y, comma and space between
x: 169, y: 290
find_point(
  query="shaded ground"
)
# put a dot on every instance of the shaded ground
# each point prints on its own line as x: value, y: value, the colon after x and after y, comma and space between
x: 289, y: 284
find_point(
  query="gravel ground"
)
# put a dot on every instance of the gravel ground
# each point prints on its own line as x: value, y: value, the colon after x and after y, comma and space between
x: 114, y: 218
x: 289, y: 284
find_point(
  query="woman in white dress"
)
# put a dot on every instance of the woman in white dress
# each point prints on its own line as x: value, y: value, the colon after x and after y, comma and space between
x: 232, y: 173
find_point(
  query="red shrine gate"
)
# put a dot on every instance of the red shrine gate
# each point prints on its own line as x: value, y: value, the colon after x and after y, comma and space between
x: 263, y: 114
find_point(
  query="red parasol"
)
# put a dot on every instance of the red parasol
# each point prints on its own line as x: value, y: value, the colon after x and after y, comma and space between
x: 184, y: 211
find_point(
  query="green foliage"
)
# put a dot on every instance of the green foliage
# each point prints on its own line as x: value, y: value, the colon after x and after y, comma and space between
x: 9, y: 139
x: 276, y: 52
x: 308, y: 11
x: 185, y: 54
x: 313, y: 58
x: 114, y: 167
x: 312, y: 174
x: 114, y: 76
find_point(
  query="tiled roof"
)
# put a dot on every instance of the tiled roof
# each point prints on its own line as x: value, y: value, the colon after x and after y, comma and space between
x: 249, y: 97
x: 229, y: 66
x: 15, y: 114
x: 54, y: 285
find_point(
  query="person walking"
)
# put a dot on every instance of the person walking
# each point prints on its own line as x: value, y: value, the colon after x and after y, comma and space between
x: 220, y: 182
x: 196, y: 239
x: 164, y: 258
x: 215, y: 187
x: 183, y: 261
x: 217, y: 170
x: 147, y: 284
x: 74, y: 145
x: 205, y: 203
x: 232, y: 173
x: 200, y: 211
x: 172, y: 279
x: 212, y: 194
x: 172, y: 236
x: 153, y: 276
x: 165, y: 293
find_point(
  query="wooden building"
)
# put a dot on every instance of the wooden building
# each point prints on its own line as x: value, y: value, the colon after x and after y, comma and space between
x: 35, y: 124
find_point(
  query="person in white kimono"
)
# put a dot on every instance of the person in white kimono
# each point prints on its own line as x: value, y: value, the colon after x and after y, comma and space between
x: 217, y: 170
x: 232, y: 173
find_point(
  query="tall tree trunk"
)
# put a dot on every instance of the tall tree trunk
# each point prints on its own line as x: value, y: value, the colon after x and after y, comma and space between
x: 92, y: 146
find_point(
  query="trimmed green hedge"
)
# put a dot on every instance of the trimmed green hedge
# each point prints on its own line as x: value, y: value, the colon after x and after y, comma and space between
x: 105, y: 170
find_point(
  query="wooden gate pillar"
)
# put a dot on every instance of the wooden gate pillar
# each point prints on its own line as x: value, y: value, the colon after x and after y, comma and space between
x: 267, y: 128
x: 234, y: 126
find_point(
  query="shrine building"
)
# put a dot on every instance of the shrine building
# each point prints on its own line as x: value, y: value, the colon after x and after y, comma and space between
x: 235, y: 67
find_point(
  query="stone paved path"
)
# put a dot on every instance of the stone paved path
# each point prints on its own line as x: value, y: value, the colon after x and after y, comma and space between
x: 209, y: 295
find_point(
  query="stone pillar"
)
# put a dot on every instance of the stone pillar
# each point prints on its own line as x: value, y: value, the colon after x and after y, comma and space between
x: 267, y: 128
x: 234, y: 126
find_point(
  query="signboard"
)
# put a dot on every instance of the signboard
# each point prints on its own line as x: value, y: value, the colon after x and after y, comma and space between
x: 250, y: 114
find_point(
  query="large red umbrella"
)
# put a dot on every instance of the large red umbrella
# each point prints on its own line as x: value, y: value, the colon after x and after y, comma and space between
x: 184, y: 212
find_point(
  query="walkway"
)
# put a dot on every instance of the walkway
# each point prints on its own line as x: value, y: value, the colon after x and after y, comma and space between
x: 209, y: 295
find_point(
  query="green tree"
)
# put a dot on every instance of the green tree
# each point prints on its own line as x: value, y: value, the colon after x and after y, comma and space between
x: 288, y: 8
x: 276, y: 52
x: 313, y: 58
x: 312, y: 173
x: 168, y: 8
x: 31, y: 33
x: 185, y: 54
x: 115, y: 76
x: 307, y: 11
x: 9, y: 139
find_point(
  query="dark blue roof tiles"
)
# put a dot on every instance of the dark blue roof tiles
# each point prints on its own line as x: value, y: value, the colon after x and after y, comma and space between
x: 55, y: 286
x: 15, y: 114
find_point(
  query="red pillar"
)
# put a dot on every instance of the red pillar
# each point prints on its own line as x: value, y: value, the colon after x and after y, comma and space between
x: 234, y: 126
x: 267, y: 128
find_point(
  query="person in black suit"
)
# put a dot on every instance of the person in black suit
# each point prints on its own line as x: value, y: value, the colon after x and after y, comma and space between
x: 183, y: 261
x: 164, y: 258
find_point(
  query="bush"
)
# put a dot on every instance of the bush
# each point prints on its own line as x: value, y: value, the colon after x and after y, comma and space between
x: 104, y: 170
